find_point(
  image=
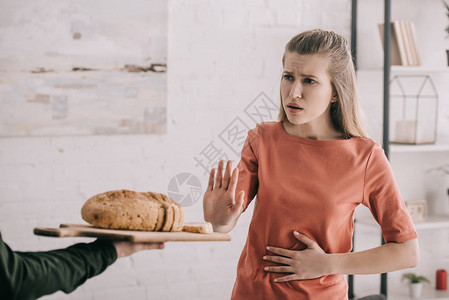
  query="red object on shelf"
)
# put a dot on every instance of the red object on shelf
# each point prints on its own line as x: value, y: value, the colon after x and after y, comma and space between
x: 441, y: 280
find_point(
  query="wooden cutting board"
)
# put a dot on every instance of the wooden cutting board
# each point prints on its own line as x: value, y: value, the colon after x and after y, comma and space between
x: 80, y: 230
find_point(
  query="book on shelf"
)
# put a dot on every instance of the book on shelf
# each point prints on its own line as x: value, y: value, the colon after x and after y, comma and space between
x: 403, y: 44
x: 408, y: 45
x: 415, y: 44
x: 396, y: 57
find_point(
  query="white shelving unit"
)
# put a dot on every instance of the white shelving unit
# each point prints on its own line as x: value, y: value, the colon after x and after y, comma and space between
x: 397, y: 151
x: 431, y: 222
x: 418, y: 69
x: 407, y: 69
x: 428, y: 293
x: 438, y: 147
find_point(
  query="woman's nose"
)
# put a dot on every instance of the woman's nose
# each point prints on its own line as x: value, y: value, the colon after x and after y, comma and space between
x: 296, y: 91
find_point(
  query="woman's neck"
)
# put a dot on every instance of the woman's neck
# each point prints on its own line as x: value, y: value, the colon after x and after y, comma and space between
x: 319, y: 131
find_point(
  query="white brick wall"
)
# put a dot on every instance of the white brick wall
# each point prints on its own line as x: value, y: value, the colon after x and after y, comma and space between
x: 221, y: 55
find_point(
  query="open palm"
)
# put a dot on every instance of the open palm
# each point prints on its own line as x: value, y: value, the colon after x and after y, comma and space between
x: 220, y: 205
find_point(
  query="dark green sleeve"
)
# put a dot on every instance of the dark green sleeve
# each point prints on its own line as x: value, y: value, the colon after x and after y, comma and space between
x: 30, y: 275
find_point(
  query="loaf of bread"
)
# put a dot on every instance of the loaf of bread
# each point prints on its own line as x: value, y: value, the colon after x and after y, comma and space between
x: 124, y: 209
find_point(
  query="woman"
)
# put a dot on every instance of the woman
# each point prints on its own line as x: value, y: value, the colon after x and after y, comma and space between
x: 310, y: 171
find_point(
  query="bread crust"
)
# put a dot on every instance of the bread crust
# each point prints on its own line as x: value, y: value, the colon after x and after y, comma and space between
x: 121, y: 209
x: 130, y: 210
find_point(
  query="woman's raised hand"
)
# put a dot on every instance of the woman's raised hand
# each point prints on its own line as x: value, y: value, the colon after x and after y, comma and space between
x: 220, y: 205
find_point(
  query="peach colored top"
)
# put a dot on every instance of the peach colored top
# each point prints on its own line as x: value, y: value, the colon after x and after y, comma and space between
x: 313, y: 187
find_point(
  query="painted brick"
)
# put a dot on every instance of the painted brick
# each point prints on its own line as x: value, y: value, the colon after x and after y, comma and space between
x: 129, y: 293
x: 221, y: 56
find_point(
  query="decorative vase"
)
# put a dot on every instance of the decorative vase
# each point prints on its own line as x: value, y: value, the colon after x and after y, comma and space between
x: 415, y: 289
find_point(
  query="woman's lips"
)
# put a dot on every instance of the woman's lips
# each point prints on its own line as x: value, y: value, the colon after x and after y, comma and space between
x: 294, y: 108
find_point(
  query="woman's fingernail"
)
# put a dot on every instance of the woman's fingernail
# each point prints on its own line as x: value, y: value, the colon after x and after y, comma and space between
x: 268, y: 248
x: 266, y: 268
x: 275, y: 280
x: 295, y: 232
x: 264, y: 257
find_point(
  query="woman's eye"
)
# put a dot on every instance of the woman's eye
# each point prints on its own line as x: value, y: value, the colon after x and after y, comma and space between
x: 309, y: 81
x: 287, y: 77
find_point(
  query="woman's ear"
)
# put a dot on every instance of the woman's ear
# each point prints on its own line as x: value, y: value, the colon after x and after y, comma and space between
x: 334, y: 94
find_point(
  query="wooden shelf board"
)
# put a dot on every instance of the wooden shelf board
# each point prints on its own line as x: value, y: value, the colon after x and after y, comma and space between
x: 432, y: 222
x: 408, y: 69
x: 428, y: 293
x: 439, y: 147
x: 425, y: 69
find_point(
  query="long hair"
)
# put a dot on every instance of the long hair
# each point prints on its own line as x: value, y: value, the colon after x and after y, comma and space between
x: 345, y: 112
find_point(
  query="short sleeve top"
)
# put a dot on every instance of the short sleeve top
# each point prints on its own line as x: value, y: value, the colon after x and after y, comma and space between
x: 313, y: 187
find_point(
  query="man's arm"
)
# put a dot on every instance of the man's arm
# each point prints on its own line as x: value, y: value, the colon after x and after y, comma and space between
x: 30, y: 275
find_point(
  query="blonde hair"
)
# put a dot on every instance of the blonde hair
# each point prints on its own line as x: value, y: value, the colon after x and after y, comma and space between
x: 345, y: 112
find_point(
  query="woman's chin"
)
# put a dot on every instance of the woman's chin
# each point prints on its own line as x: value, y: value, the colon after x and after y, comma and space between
x: 294, y: 121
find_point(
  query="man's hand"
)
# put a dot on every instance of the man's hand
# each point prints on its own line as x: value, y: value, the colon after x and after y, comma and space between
x: 124, y: 248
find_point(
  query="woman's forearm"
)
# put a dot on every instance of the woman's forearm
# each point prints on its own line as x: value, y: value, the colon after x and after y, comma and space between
x: 382, y: 259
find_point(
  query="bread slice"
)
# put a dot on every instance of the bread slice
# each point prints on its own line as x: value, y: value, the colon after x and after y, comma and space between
x: 121, y: 209
x: 161, y: 211
x: 200, y: 227
x: 181, y: 217
x: 168, y: 210
x: 179, y: 213
x: 160, y: 215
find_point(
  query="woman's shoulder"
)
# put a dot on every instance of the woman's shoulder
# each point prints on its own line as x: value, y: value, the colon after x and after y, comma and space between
x: 266, y: 127
x: 366, y: 141
x: 264, y: 130
x: 366, y: 145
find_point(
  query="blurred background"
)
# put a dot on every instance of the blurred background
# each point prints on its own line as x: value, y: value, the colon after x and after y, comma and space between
x: 148, y: 95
